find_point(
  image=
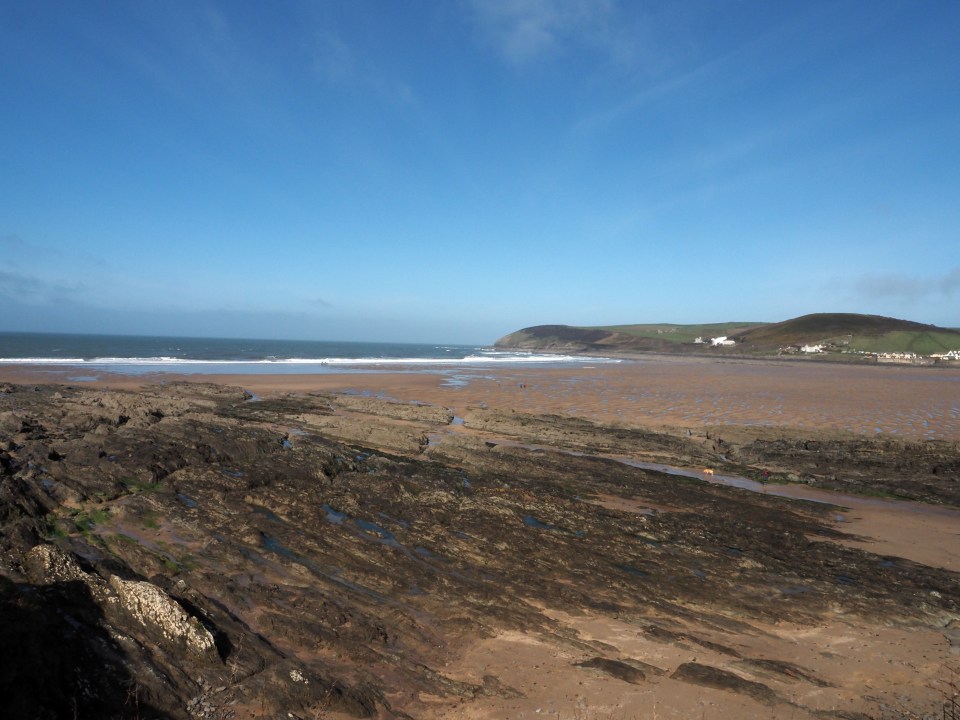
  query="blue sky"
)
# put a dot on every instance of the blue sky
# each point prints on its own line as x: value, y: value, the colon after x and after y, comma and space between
x: 454, y: 170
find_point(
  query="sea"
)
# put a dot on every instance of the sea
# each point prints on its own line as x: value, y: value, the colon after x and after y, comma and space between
x: 137, y: 355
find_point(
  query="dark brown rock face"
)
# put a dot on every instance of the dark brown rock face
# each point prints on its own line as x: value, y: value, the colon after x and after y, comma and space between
x: 699, y: 674
x: 924, y: 471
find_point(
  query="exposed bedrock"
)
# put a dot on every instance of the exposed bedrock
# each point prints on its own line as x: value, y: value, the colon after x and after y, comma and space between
x: 188, y: 551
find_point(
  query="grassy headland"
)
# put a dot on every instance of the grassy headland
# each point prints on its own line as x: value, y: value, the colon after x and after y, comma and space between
x: 835, y: 332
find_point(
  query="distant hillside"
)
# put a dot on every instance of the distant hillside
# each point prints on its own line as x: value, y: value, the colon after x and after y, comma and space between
x: 836, y: 331
x: 683, y: 333
x: 565, y: 338
x: 866, y: 333
x: 617, y: 338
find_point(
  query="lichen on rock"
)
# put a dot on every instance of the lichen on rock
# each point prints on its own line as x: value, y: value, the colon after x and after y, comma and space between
x: 156, y: 610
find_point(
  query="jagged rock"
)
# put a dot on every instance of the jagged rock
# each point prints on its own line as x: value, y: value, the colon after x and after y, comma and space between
x: 782, y: 670
x: 615, y: 668
x: 48, y: 563
x: 156, y: 610
x: 952, y: 634
x: 709, y: 676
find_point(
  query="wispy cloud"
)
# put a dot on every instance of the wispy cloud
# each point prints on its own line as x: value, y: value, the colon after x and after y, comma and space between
x: 332, y: 58
x: 14, y: 247
x: 950, y: 283
x: 524, y: 30
x: 901, y: 286
x: 16, y: 251
x: 31, y: 290
x: 335, y: 62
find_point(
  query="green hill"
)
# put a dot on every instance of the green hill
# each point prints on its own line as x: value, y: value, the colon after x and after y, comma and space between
x: 663, y: 337
x: 836, y: 331
x: 682, y: 333
x: 849, y: 331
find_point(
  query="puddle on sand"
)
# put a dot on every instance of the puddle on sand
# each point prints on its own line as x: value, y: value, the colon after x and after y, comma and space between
x: 531, y: 521
x: 455, y: 381
x: 790, y: 491
x: 636, y: 572
x: 334, y: 516
x: 369, y: 530
x: 396, y: 521
x: 187, y: 500
x: 380, y: 534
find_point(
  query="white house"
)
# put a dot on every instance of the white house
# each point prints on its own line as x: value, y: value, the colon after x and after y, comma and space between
x: 949, y: 355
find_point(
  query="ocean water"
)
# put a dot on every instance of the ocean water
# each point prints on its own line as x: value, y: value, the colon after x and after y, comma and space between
x: 141, y: 354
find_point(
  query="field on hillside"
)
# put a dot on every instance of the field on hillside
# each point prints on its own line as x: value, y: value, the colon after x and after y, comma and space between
x: 922, y: 343
x: 680, y: 333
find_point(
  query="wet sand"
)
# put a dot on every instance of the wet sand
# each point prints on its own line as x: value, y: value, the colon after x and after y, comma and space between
x: 908, y: 402
x: 915, y: 403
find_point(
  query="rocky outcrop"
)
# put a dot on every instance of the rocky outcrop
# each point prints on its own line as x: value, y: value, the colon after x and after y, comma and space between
x: 926, y: 471
x: 48, y: 564
x: 700, y: 674
x: 157, y: 612
x: 615, y: 668
x: 555, y: 338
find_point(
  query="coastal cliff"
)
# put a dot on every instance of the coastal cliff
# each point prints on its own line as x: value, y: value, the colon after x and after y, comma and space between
x: 569, y: 339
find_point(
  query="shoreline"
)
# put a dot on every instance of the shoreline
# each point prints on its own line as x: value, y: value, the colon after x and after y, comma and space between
x: 894, y: 401
x: 837, y: 358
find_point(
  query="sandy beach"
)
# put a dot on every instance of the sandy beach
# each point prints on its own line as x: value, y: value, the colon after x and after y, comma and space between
x: 835, y: 662
x: 908, y: 402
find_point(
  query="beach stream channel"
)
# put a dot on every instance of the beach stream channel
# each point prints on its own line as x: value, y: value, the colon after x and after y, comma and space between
x: 881, y: 525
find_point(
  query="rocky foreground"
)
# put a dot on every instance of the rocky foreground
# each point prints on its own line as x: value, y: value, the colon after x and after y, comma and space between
x: 192, y: 551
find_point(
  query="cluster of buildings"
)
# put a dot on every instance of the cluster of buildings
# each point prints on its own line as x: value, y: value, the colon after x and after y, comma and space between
x: 883, y: 357
x: 717, y: 341
x: 808, y: 349
x: 903, y: 358
x: 949, y: 355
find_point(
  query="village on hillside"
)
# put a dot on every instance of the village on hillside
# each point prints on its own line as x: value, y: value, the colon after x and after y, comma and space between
x: 905, y: 358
